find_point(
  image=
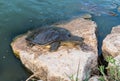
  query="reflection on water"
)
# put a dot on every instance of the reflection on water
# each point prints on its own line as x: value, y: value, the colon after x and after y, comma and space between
x: 19, y: 16
x: 99, y: 7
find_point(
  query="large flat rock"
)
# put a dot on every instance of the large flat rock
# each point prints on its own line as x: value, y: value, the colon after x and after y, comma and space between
x: 111, y: 44
x: 60, y: 65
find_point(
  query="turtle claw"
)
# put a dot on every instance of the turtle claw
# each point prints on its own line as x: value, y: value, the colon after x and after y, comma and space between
x: 30, y: 44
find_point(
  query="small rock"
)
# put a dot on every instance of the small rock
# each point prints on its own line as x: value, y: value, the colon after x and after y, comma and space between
x: 119, y: 9
x: 39, y: 80
x: 86, y: 16
x: 4, y: 57
x: 94, y: 78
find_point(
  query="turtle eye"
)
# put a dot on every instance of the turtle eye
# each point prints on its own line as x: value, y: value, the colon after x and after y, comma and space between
x: 69, y: 35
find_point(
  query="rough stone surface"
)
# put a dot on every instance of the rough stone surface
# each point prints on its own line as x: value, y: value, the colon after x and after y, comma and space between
x: 94, y: 78
x: 111, y: 44
x: 60, y: 65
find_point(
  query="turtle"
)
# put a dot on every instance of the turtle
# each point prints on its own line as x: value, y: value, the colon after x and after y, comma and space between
x: 53, y: 36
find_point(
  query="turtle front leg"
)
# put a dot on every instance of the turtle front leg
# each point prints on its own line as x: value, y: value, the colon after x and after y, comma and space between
x: 54, y: 46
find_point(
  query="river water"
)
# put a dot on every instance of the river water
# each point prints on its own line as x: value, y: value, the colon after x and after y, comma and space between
x: 19, y: 16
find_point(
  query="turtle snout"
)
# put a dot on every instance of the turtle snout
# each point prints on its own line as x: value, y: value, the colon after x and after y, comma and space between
x: 82, y: 39
x: 79, y: 39
x: 76, y: 38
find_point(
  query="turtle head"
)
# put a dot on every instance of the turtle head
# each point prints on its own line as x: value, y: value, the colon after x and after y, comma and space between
x: 65, y: 35
x: 69, y: 37
x: 75, y: 38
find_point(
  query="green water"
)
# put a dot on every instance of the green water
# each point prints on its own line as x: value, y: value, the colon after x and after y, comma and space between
x: 19, y: 16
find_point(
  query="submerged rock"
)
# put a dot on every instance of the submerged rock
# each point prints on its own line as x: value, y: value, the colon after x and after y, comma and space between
x: 86, y: 16
x: 66, y: 61
x: 111, y: 44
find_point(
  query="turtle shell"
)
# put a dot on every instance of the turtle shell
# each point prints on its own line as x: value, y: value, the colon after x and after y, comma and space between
x: 47, y: 35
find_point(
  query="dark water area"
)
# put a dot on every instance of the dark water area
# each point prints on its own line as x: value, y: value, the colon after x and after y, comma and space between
x: 19, y: 16
x: 105, y: 24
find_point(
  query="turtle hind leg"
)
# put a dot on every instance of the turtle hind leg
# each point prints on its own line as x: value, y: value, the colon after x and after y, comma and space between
x: 29, y: 44
x: 54, y: 46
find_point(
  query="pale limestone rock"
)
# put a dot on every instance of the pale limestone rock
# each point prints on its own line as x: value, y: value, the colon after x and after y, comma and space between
x: 111, y: 47
x: 60, y: 65
x: 111, y: 44
x: 94, y: 78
